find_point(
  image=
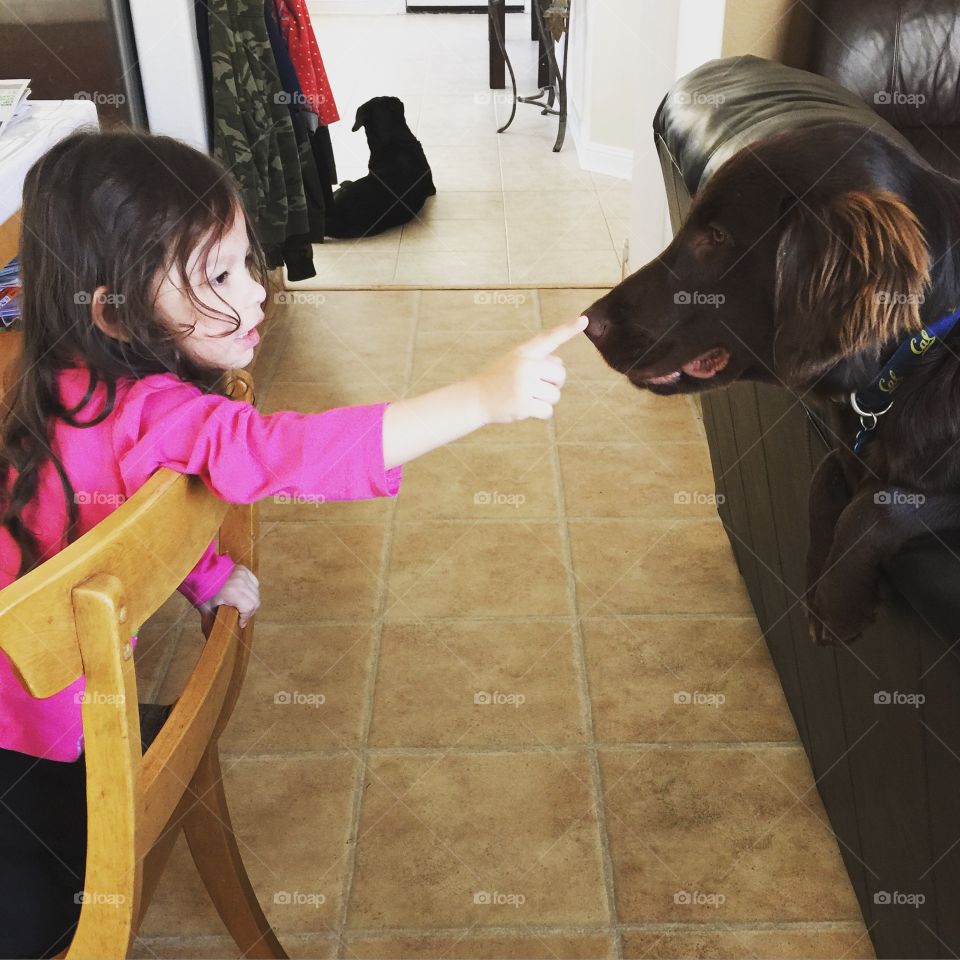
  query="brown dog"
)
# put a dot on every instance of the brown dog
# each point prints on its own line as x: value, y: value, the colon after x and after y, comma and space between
x: 805, y: 261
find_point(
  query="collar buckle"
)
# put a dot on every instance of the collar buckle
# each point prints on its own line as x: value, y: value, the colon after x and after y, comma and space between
x: 868, y: 418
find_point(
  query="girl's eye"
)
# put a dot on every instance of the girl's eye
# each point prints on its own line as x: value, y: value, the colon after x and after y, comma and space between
x: 220, y: 278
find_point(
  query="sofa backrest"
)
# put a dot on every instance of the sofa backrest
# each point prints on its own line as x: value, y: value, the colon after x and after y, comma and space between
x: 903, y: 59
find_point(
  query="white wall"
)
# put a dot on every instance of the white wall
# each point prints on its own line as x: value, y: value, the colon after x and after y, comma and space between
x: 679, y: 35
x: 603, y: 67
x: 320, y: 8
x: 166, y: 37
x: 624, y: 56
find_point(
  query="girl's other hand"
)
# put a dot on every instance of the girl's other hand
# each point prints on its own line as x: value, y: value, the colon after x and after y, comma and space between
x: 526, y: 381
x: 242, y: 590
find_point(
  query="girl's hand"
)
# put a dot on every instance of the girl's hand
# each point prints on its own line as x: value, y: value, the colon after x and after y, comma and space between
x: 242, y: 590
x: 526, y: 381
x: 523, y: 383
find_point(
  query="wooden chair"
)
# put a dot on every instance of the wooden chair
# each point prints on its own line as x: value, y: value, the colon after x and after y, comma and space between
x: 74, y: 615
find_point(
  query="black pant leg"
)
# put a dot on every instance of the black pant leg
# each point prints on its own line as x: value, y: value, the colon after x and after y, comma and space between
x: 43, y: 844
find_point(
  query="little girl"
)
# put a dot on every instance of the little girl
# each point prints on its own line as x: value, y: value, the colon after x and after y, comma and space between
x: 143, y: 282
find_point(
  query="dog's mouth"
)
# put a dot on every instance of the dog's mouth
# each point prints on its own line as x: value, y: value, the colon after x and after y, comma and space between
x: 702, y: 367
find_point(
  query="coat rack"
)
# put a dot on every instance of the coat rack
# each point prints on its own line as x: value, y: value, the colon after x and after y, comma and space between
x: 552, y: 25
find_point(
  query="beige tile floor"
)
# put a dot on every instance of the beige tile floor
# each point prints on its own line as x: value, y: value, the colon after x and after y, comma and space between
x: 508, y: 209
x: 553, y: 570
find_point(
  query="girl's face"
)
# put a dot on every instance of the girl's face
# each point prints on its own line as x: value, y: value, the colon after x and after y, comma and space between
x: 223, y: 277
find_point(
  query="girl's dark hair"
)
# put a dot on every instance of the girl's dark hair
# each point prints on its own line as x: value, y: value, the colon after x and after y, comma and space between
x: 118, y: 209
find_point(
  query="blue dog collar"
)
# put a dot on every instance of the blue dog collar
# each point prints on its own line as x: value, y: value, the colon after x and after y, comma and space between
x: 876, y: 398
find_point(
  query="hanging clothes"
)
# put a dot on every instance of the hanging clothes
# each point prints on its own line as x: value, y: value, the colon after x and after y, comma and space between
x: 304, y: 122
x: 305, y: 54
x: 253, y: 135
x: 313, y: 139
x: 286, y: 71
x: 323, y: 157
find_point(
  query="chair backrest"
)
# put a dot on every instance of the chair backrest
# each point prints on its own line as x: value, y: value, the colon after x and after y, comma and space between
x: 75, y: 615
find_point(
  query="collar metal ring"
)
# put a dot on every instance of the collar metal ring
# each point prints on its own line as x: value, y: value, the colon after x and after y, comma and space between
x: 867, y: 413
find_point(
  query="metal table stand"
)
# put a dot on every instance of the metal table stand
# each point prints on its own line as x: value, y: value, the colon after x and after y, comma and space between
x: 551, y: 24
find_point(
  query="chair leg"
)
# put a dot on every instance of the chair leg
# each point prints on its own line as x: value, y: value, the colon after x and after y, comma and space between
x: 215, y: 852
x: 155, y: 863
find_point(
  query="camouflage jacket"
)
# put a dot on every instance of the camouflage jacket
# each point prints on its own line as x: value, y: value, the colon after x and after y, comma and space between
x: 253, y: 134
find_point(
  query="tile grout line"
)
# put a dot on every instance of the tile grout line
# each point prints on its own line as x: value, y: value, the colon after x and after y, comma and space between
x: 606, y: 223
x: 374, y: 663
x: 510, y: 749
x: 542, y: 930
x: 547, y: 929
x: 586, y: 705
x: 585, y: 929
x: 709, y: 615
x: 396, y: 259
x: 503, y: 206
x: 525, y: 521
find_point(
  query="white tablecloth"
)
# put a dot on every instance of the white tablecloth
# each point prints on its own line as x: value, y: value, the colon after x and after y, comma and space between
x: 28, y: 139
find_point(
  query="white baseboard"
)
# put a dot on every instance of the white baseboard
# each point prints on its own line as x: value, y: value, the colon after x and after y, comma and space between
x: 598, y: 157
x: 333, y: 8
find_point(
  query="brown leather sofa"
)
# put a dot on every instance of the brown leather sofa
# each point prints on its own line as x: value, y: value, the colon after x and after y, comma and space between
x: 880, y: 720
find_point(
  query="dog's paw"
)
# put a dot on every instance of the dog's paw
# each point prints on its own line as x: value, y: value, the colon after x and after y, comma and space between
x: 836, y: 621
x: 824, y: 636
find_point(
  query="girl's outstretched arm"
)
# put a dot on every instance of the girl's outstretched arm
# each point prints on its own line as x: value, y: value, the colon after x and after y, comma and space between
x: 523, y: 383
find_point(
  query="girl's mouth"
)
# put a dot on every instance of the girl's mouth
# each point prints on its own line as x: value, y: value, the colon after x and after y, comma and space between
x: 250, y: 339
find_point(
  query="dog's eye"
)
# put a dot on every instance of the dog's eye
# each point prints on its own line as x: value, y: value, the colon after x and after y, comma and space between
x: 716, y: 235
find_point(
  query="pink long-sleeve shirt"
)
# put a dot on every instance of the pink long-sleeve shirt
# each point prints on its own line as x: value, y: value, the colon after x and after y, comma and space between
x: 160, y: 421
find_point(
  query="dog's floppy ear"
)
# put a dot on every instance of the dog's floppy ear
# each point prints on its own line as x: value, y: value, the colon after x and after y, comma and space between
x: 361, y: 118
x: 851, y: 272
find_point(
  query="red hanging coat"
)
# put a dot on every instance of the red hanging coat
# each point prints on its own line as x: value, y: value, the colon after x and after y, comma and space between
x: 302, y: 45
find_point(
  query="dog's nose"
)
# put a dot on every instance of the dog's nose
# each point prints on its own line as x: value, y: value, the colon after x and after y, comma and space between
x: 596, y: 327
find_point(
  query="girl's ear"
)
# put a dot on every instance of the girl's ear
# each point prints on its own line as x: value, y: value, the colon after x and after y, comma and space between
x: 851, y: 272
x: 100, y: 314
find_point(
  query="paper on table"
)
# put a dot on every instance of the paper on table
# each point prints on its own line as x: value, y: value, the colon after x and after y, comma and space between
x: 13, y: 101
x: 11, y: 93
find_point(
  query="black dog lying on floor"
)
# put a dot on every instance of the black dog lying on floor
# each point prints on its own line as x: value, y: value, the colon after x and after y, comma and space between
x: 806, y: 260
x: 399, y: 180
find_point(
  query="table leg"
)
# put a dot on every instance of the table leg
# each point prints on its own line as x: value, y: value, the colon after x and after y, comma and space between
x: 498, y: 9
x: 543, y: 66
